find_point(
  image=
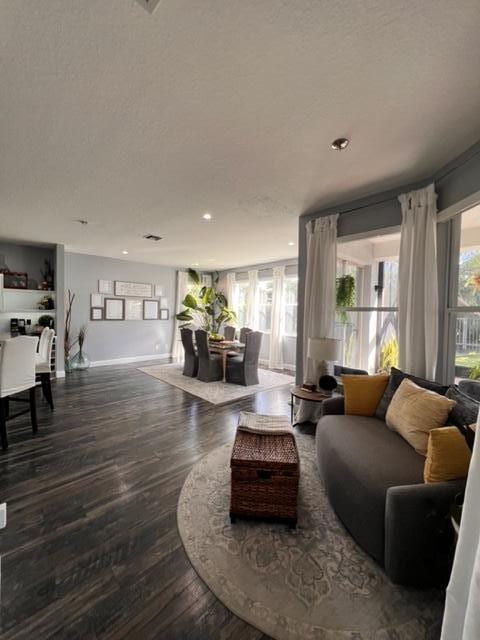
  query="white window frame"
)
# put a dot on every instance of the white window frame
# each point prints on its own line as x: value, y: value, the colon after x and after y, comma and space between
x: 293, y: 278
x: 366, y: 283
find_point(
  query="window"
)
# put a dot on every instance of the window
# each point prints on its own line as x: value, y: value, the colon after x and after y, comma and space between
x: 240, y: 307
x: 464, y: 299
x: 290, y: 306
x: 366, y: 322
x: 265, y: 292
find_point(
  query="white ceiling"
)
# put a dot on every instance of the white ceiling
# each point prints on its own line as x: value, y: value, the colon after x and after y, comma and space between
x: 139, y: 123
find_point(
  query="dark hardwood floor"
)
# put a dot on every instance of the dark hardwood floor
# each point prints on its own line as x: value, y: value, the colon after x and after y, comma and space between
x: 91, y: 548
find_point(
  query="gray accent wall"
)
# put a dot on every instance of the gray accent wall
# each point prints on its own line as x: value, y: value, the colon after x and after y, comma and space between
x: 122, y: 339
x: 454, y: 182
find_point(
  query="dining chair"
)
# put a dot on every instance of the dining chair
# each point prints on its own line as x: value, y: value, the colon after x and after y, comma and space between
x: 243, y: 369
x: 190, y: 366
x: 243, y: 333
x: 17, y: 374
x: 210, y: 365
x: 229, y: 333
x: 43, y: 363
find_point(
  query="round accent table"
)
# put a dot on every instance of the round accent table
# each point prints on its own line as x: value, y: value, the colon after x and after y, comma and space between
x: 300, y: 393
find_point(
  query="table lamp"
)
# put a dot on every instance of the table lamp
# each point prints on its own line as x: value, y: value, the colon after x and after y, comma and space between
x: 324, y: 352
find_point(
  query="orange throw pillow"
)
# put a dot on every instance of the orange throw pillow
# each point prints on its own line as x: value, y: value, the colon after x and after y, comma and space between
x: 363, y: 393
x: 448, y: 456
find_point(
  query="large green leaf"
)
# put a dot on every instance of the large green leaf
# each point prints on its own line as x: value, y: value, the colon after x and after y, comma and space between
x: 194, y: 276
x: 208, y: 296
x: 190, y: 301
x: 184, y: 316
x: 221, y: 299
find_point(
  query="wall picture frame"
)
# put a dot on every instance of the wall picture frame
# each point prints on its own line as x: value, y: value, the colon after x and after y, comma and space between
x: 106, y: 287
x: 133, y: 289
x: 96, y: 300
x: 164, y: 314
x: 114, y: 309
x: 133, y: 309
x: 164, y: 303
x: 158, y: 290
x: 96, y: 313
x: 150, y: 309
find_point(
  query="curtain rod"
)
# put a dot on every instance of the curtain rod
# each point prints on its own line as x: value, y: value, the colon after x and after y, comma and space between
x: 435, y: 179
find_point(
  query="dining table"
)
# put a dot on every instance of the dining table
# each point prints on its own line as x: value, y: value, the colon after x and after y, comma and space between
x: 223, y: 348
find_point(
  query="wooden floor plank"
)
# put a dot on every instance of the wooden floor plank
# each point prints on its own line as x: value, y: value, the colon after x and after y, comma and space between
x: 91, y: 549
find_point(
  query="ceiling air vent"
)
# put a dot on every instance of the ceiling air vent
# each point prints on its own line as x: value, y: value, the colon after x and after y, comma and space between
x: 151, y: 236
x: 149, y: 5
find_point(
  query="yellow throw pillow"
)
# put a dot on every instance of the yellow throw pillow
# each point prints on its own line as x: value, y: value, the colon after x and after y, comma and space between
x: 448, y: 455
x: 363, y: 393
x: 413, y: 412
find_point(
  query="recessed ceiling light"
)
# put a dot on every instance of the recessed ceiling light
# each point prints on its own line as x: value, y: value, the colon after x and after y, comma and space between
x: 125, y: 253
x: 207, y: 216
x: 290, y: 244
x: 340, y: 143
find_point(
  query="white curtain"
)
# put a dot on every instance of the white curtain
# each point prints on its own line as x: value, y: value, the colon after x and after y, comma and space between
x: 417, y: 283
x: 275, y: 360
x: 462, y: 608
x: 230, y: 292
x: 319, y: 308
x: 252, y: 300
x: 182, y: 289
x: 206, y: 280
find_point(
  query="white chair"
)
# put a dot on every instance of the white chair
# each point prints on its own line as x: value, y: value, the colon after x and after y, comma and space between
x: 42, y: 363
x: 17, y: 373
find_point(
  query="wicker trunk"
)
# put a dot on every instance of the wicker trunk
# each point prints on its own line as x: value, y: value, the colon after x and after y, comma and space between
x: 265, y: 474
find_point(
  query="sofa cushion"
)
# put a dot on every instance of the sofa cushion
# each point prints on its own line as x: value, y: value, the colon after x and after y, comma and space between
x: 362, y: 393
x: 359, y: 459
x: 414, y: 412
x: 396, y: 377
x: 448, y: 455
x: 465, y: 411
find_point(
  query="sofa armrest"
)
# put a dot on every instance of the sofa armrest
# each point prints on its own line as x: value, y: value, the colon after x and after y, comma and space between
x: 418, y: 533
x: 333, y: 406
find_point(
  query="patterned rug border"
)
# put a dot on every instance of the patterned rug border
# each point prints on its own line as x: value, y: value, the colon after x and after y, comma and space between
x: 287, y: 628
x: 246, y: 392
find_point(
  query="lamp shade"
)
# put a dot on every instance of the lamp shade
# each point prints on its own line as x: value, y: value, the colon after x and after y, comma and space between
x: 328, y: 349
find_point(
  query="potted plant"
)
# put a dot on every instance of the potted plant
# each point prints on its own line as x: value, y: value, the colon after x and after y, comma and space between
x: 345, y: 296
x: 207, y: 308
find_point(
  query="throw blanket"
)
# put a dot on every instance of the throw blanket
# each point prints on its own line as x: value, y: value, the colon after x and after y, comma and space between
x: 258, y: 423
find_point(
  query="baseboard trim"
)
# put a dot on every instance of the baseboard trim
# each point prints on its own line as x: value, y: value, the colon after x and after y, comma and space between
x: 286, y: 367
x: 130, y: 359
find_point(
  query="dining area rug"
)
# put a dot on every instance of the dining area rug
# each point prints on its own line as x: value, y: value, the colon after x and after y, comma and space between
x: 310, y: 583
x: 216, y: 393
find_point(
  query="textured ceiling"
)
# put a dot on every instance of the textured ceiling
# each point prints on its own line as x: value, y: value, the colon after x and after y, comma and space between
x: 139, y: 122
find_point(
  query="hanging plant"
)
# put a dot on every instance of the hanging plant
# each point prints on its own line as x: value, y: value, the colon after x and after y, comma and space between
x: 345, y: 294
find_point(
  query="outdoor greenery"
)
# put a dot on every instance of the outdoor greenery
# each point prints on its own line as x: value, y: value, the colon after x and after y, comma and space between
x: 205, y: 306
x: 388, y: 355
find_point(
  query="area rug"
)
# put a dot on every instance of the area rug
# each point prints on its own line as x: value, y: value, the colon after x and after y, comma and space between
x: 216, y: 392
x: 312, y: 583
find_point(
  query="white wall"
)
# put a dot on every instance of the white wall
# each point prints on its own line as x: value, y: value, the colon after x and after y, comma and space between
x: 114, y: 340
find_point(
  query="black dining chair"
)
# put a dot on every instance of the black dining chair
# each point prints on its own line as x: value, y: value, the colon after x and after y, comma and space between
x: 243, y: 333
x: 229, y: 333
x: 190, y: 366
x: 210, y: 366
x: 243, y: 369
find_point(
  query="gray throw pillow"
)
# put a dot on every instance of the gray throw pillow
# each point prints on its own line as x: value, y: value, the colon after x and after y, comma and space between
x: 396, y: 377
x: 465, y: 411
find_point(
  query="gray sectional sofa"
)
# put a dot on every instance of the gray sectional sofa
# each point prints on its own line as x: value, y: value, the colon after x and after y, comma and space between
x: 374, y: 481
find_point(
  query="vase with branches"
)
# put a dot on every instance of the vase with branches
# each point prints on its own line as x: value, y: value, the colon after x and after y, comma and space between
x: 205, y: 306
x: 68, y: 341
x: 80, y: 361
